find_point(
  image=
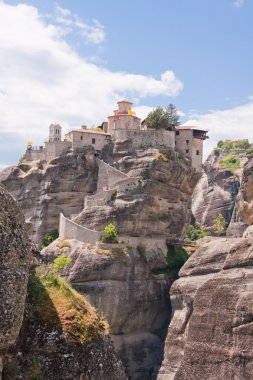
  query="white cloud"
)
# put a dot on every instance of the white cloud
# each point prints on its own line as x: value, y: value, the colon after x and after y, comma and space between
x: 43, y: 80
x: 235, y: 123
x: 92, y: 32
x: 238, y: 3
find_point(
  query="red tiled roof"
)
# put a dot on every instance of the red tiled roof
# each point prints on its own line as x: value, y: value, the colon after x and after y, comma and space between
x: 187, y: 127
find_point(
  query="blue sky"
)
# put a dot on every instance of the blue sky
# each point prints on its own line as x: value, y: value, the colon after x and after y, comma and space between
x: 70, y: 61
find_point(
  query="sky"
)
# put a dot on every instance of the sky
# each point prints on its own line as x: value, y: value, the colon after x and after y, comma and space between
x: 69, y: 62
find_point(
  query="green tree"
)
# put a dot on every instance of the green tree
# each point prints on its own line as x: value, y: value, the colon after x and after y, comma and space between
x: 219, y: 225
x: 109, y: 235
x: 161, y: 118
x: 173, y: 117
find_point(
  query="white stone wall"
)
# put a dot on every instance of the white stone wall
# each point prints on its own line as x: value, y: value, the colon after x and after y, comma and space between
x: 108, y: 176
x: 71, y: 230
x: 147, y: 138
x: 54, y: 149
x: 35, y: 154
x: 84, y: 138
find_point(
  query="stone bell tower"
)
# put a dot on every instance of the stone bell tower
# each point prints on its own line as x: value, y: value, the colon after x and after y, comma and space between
x: 54, y: 132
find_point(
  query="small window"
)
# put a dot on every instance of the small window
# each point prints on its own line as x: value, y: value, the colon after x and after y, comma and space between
x: 81, y: 137
x: 187, y: 141
x: 197, y: 152
x: 93, y: 141
x: 187, y: 151
x: 177, y: 133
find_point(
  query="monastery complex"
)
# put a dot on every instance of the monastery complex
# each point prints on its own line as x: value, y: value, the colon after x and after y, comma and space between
x: 123, y: 125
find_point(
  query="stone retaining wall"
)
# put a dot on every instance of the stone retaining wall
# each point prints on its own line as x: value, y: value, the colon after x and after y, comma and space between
x: 71, y: 230
x: 146, y: 138
x: 98, y: 199
x: 108, y: 176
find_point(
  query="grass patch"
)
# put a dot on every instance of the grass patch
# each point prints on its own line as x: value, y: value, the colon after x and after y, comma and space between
x: 113, y: 251
x: 176, y: 257
x: 230, y: 162
x: 61, y: 307
x: 63, y: 244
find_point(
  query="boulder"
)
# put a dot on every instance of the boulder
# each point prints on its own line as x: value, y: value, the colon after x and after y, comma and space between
x: 211, y: 331
x: 15, y: 260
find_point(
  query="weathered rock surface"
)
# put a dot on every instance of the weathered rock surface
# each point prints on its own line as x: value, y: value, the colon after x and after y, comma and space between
x: 15, y: 259
x: 159, y: 206
x: 215, y: 193
x: 246, y: 198
x: 43, y: 352
x: 211, y: 333
x: 45, y: 190
x: 122, y: 286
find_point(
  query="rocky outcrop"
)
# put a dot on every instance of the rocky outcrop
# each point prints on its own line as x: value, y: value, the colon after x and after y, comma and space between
x: 121, y: 284
x: 15, y: 259
x: 215, y: 193
x: 246, y: 198
x: 44, y: 190
x: 158, y: 206
x: 211, y: 332
x: 45, y: 350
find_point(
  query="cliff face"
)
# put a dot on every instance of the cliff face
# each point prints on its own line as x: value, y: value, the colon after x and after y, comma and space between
x: 159, y: 207
x: 34, y: 343
x: 43, y: 191
x: 246, y: 197
x: 216, y: 193
x: 15, y: 259
x: 211, y: 332
x: 121, y: 284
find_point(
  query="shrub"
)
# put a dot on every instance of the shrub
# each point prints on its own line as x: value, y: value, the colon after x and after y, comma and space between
x: 196, y: 231
x: 109, y: 235
x: 59, y: 264
x: 219, y: 225
x: 249, y: 151
x: 176, y: 257
x: 49, y: 238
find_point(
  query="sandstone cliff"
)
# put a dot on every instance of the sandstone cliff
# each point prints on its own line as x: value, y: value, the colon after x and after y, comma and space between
x: 211, y: 333
x: 159, y: 206
x: 246, y: 196
x: 15, y: 259
x: 120, y: 283
x: 216, y: 193
x: 36, y: 341
x: 44, y: 190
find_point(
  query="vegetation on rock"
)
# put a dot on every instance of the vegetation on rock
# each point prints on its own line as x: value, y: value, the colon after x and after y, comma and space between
x: 162, y: 118
x: 58, y: 305
x: 49, y: 238
x: 196, y: 231
x: 231, y: 152
x: 219, y: 225
x: 110, y: 234
x: 176, y: 257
